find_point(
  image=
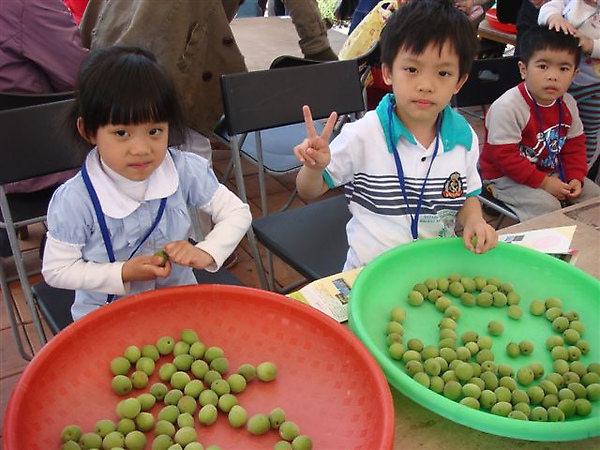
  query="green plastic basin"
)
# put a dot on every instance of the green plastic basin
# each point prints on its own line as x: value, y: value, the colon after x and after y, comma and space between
x: 386, y: 281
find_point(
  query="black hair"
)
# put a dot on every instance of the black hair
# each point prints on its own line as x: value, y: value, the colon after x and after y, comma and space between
x: 419, y: 23
x: 126, y: 85
x: 541, y: 37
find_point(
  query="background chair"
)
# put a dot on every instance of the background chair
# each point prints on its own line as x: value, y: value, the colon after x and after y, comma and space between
x: 12, y: 100
x: 269, y: 104
x: 488, y: 80
x: 35, y: 142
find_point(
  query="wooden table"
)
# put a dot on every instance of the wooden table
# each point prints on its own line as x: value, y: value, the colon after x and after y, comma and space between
x: 486, y: 31
x: 586, y: 216
x: 420, y: 428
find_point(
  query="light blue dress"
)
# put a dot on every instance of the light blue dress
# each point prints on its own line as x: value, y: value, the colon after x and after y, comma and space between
x: 71, y: 219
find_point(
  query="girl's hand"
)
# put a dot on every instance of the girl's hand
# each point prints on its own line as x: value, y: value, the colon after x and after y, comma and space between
x: 185, y: 254
x: 556, y: 187
x: 144, y: 268
x: 576, y: 187
x: 480, y: 233
x: 586, y: 44
x: 313, y: 152
x: 559, y: 23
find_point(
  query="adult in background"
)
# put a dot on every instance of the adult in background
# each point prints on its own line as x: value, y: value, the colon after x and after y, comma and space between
x: 191, y: 38
x: 40, y: 53
x: 40, y: 47
x: 309, y: 24
x: 311, y: 29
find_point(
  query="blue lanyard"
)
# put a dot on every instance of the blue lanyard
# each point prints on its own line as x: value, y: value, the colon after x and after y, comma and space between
x: 414, y: 219
x: 557, y: 162
x: 102, y: 221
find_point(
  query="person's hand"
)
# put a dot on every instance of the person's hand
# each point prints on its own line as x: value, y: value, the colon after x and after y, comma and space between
x: 586, y: 44
x: 145, y: 268
x: 575, y: 187
x: 559, y: 23
x: 313, y: 152
x: 465, y: 6
x: 556, y: 187
x: 480, y: 233
x: 185, y: 254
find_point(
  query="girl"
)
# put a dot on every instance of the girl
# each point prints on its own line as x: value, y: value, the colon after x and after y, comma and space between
x: 582, y: 19
x: 130, y: 197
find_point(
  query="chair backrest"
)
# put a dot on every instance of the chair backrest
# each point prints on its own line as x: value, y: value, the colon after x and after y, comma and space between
x: 12, y: 100
x: 488, y: 80
x: 265, y: 99
x: 35, y: 141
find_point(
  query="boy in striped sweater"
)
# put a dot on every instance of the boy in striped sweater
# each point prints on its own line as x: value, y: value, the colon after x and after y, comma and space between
x: 534, y: 157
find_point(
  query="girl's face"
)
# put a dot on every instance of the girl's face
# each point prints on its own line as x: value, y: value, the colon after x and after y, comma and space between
x: 548, y: 74
x: 423, y: 84
x: 133, y: 151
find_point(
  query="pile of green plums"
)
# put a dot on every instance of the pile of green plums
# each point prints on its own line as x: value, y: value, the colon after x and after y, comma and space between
x: 193, y: 385
x: 462, y: 366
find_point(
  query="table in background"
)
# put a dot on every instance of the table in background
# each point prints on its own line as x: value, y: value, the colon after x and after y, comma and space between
x: 486, y: 31
x: 262, y: 39
x: 586, y: 216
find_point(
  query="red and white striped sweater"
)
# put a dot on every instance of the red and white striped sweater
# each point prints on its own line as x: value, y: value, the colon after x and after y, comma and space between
x: 516, y: 143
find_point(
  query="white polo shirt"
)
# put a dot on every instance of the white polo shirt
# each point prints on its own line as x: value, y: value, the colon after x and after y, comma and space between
x: 362, y: 160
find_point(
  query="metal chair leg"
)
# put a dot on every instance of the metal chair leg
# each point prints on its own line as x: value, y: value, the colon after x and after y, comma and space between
x: 239, y: 179
x: 20, y: 265
x: 15, y: 319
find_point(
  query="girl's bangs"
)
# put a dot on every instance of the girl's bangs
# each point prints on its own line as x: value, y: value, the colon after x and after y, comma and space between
x: 144, y: 102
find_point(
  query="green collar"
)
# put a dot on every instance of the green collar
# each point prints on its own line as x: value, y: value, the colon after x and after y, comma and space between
x: 455, y: 129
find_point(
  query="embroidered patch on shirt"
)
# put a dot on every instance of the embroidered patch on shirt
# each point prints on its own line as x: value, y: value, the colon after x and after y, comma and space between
x: 453, y: 186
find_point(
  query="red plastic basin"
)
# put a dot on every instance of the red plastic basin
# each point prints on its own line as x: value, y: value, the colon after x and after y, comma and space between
x: 328, y: 382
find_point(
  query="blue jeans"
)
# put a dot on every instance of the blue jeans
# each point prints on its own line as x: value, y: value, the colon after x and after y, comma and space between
x: 363, y: 8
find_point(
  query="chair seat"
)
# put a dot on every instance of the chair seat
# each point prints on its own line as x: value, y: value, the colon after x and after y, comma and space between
x: 278, y: 154
x: 311, y: 239
x: 55, y: 304
x: 221, y: 276
x: 29, y: 206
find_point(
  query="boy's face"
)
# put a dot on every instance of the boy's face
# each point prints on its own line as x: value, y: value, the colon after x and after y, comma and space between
x: 548, y: 74
x: 423, y: 84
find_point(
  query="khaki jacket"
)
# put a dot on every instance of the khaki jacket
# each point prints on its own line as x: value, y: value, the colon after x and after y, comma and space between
x: 191, y: 38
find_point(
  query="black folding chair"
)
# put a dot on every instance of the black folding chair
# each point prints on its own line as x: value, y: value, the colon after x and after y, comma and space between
x: 12, y: 100
x: 35, y: 142
x: 310, y: 239
x: 269, y: 104
x: 488, y: 80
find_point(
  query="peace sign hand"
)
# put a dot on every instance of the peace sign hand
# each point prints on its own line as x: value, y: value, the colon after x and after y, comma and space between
x: 314, y: 152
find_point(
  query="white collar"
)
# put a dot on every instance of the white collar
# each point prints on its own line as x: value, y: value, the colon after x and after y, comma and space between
x: 115, y: 203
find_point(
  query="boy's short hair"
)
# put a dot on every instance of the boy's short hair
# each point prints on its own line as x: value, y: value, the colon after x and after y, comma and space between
x: 419, y: 23
x: 541, y: 37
